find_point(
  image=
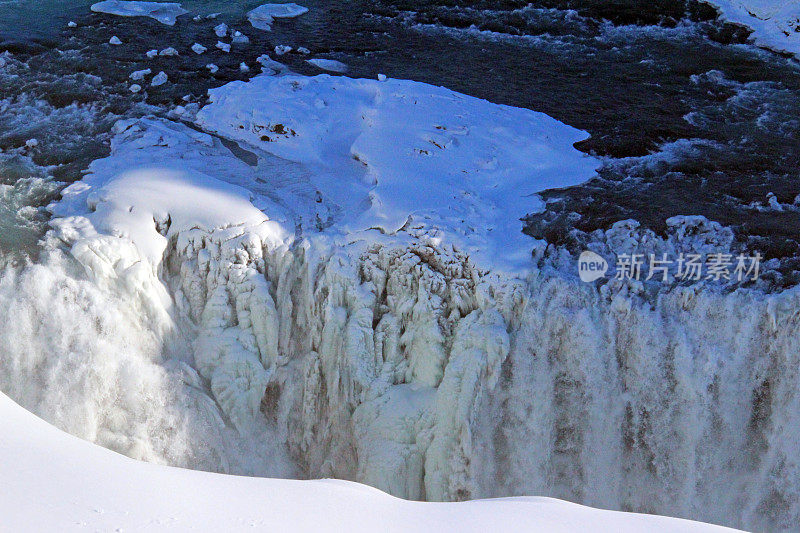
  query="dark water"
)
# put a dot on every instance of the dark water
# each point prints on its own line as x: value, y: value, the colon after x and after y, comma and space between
x: 643, y: 78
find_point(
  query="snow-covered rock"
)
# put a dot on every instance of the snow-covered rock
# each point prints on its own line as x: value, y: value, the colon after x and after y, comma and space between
x: 391, y: 137
x: 164, y: 12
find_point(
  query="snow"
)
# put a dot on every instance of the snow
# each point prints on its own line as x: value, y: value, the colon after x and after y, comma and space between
x: 775, y: 23
x: 164, y: 12
x: 63, y: 483
x: 262, y: 16
x: 386, y: 141
x: 328, y: 64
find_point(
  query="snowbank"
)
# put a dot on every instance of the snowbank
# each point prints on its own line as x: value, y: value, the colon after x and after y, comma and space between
x: 775, y: 23
x: 263, y: 16
x: 58, y: 482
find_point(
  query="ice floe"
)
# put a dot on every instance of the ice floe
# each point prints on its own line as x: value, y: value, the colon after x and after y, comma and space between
x: 159, y: 79
x: 164, y: 12
x: 328, y: 64
x: 263, y: 16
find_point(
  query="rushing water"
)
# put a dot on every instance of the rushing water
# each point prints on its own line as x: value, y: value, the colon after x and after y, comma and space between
x: 687, y: 118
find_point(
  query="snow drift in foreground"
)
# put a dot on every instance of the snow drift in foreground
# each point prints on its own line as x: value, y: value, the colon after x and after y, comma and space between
x: 323, y: 275
x: 57, y: 482
x: 775, y: 23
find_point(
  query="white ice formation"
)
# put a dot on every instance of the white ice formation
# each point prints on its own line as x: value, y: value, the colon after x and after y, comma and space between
x: 775, y: 23
x: 338, y: 264
x: 328, y: 64
x: 263, y: 16
x: 164, y: 12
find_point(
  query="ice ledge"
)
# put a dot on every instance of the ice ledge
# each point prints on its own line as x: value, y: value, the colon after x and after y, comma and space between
x: 775, y: 23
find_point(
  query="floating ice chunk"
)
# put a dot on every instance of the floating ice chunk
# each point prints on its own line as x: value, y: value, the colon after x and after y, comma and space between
x: 151, y: 53
x: 168, y: 52
x: 32, y: 143
x: 72, y: 24
x: 328, y: 64
x: 115, y: 41
x: 159, y: 79
x: 198, y: 48
x: 221, y: 30
x: 270, y: 66
x: 164, y: 12
x: 773, y: 203
x: 225, y: 47
x: 240, y: 38
x: 140, y: 74
x: 282, y: 49
x: 303, y: 50
x: 135, y: 88
x: 262, y: 17
x: 381, y: 77
x: 212, y: 68
x: 243, y: 67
